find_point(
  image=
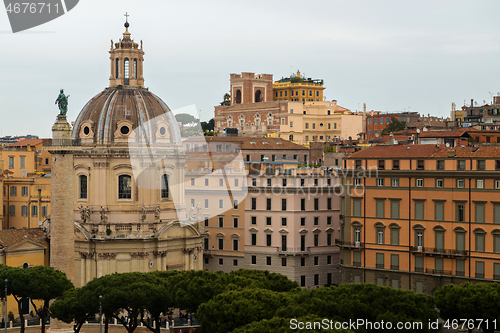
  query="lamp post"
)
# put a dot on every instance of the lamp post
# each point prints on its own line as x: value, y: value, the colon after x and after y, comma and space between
x: 5, y: 320
x: 100, y: 313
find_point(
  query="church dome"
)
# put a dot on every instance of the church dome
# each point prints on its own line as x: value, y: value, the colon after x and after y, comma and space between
x: 126, y: 112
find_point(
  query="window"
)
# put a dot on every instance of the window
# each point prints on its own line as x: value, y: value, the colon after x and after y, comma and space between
x: 307, y: 125
x: 394, y: 209
x: 329, y: 239
x: 439, y: 211
x: 221, y: 203
x: 283, y: 261
x: 380, y: 181
x: 419, y: 210
x: 283, y: 221
x: 356, y: 207
x: 381, y: 164
x: 460, y: 212
x: 206, y: 243
x: 419, y: 182
x: 268, y: 240
x: 480, y: 183
x: 439, y: 182
x: 268, y: 220
x: 235, y: 261
x: 302, y: 280
x: 221, y: 261
x: 221, y: 182
x: 357, y: 235
x: 460, y: 183
x: 268, y: 261
x: 235, y: 245
x: 315, y: 182
x: 440, y: 164
x: 24, y: 210
x: 481, y: 164
x: 329, y: 203
x: 206, y: 203
x: 316, y: 240
x: 356, y: 258
x: 254, y: 220
x: 302, y: 221
x: 395, y: 261
x: 283, y: 243
x: 291, y: 124
x: 302, y: 261
x: 221, y: 243
x: 283, y: 204
x: 380, y: 236
x: 165, y: 192
x: 480, y: 269
x: 461, y: 165
x: 206, y: 181
x: 316, y: 220
x: 254, y: 239
x: 34, y: 210
x: 395, y: 182
x: 23, y: 162
x: 379, y: 260
x: 438, y: 265
x: 460, y: 241
x: 395, y: 165
x: 13, y: 190
x: 302, y: 182
x: 420, y: 165
x: 419, y: 264
x: 379, y: 208
x: 83, y: 187
x: 479, y: 241
x: 394, y: 235
x: 284, y: 181
x: 24, y: 191
x: 254, y: 203
x: 375, y: 121
x: 497, y: 184
x: 329, y: 260
x: 479, y: 212
x: 268, y: 204
x: 11, y: 162
x: 45, y: 211
x: 236, y: 182
x: 235, y: 204
x: 12, y: 210
x: 221, y: 222
x: 419, y: 238
x: 235, y: 222
x: 302, y: 243
x: 316, y: 204
x: 439, y: 240
x: 254, y: 182
x: 206, y: 218
x: 357, y: 181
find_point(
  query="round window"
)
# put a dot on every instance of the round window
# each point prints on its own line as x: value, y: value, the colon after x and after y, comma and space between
x: 124, y: 130
x: 86, y: 130
x: 321, y: 125
x: 162, y: 130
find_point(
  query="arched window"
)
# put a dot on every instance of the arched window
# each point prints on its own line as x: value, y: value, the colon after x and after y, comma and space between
x: 126, y: 70
x: 83, y: 187
x: 258, y: 96
x: 290, y: 137
x: 117, y: 67
x: 165, y: 194
x: 135, y: 68
x: 124, y: 187
x: 238, y: 97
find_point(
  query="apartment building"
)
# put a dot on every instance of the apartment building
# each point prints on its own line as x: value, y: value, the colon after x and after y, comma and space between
x: 421, y: 216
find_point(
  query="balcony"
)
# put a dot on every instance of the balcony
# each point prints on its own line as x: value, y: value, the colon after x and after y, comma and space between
x: 346, y: 244
x: 449, y: 253
x: 438, y: 271
x: 294, y: 250
x: 395, y: 267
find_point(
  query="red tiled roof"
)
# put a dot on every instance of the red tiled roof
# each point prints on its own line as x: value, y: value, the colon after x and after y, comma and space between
x: 249, y: 143
x: 425, y: 151
x: 26, y: 142
x: 444, y: 134
x: 11, y: 237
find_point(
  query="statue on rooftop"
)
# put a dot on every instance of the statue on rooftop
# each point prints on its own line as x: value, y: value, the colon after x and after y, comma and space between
x: 62, y: 103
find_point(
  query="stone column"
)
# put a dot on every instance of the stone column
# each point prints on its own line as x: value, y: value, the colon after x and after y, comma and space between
x: 62, y: 242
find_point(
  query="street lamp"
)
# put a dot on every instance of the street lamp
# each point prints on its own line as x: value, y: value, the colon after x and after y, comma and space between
x: 5, y: 318
x: 100, y: 313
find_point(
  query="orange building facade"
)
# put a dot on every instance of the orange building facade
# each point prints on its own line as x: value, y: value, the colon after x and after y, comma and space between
x: 421, y: 216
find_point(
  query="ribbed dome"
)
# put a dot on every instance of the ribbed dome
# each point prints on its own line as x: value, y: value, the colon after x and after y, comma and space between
x: 112, y: 117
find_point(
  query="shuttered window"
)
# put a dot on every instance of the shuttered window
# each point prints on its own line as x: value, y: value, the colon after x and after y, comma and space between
x: 460, y: 238
x: 395, y: 261
x: 460, y: 270
x: 356, y: 207
x: 439, y: 211
x: 439, y: 240
x: 380, y: 260
x: 479, y: 242
x: 496, y: 214
x: 380, y: 209
x: 394, y: 209
x: 439, y: 265
x: 479, y: 212
x: 419, y: 264
x: 419, y: 210
x: 394, y: 236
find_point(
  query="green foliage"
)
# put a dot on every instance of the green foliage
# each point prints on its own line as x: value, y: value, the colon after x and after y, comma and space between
x: 227, y: 100
x: 394, y: 126
x: 330, y: 149
x: 469, y: 301
x: 266, y: 280
x: 208, y: 126
x: 186, y: 118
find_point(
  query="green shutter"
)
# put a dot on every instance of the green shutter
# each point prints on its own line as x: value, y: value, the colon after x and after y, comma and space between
x: 356, y: 210
x: 380, y: 259
x: 496, y: 244
x: 439, y: 211
x: 439, y: 265
x: 394, y: 260
x: 496, y: 271
x: 419, y: 210
x: 479, y: 242
x: 460, y: 241
x: 380, y: 208
x: 439, y: 240
x: 395, y: 209
x: 461, y: 265
x: 394, y: 236
x: 419, y: 262
x: 496, y: 217
x: 479, y: 213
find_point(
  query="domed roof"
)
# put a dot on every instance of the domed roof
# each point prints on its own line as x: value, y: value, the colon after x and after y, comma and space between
x: 121, y: 115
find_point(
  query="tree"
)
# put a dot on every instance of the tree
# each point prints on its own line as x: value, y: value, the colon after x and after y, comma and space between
x: 227, y: 100
x: 186, y: 118
x: 236, y: 308
x: 76, y: 305
x: 394, y: 126
x: 266, y: 280
x: 208, y: 126
x: 469, y: 301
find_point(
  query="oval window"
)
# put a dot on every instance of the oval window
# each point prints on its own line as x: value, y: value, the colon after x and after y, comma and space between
x: 124, y: 130
x: 162, y: 130
x: 321, y: 125
x: 86, y: 130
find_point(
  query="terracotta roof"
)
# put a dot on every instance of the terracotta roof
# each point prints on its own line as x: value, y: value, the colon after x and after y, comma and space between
x: 425, y: 151
x: 26, y: 142
x: 11, y: 237
x: 444, y: 134
x: 249, y: 143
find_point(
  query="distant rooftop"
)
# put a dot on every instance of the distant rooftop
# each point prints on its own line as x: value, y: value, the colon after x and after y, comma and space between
x: 297, y: 78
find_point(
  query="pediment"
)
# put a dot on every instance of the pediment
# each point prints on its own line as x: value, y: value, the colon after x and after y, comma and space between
x: 173, y: 229
x: 25, y: 245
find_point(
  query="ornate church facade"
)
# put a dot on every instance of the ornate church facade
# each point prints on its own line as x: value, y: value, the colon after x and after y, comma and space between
x: 123, y: 169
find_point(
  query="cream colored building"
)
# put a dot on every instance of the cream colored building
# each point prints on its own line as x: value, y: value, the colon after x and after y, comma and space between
x: 128, y: 171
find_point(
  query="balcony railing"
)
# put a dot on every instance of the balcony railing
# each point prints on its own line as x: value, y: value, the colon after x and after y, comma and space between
x: 380, y: 266
x: 436, y: 251
x: 357, y: 263
x: 293, y: 250
x: 340, y: 243
x: 395, y: 267
x: 438, y: 271
x: 479, y: 275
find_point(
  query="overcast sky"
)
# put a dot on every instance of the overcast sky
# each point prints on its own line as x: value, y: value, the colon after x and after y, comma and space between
x: 393, y: 55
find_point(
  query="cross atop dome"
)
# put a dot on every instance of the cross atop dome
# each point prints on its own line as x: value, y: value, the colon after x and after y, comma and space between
x: 126, y: 20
